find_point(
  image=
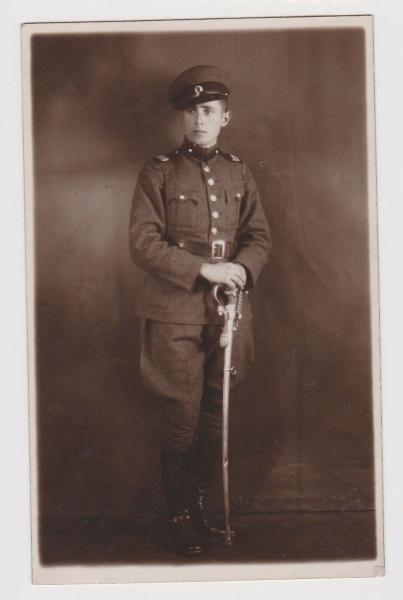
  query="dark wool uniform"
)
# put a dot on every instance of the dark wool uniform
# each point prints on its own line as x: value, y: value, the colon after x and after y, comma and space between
x: 182, y: 200
x: 192, y: 206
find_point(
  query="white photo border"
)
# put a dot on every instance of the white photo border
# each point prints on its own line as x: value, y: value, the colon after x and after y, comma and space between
x: 211, y: 572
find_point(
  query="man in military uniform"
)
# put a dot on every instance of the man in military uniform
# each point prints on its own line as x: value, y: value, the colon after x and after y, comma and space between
x: 196, y: 220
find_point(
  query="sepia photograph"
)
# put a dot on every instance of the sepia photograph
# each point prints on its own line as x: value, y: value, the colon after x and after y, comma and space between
x: 202, y: 276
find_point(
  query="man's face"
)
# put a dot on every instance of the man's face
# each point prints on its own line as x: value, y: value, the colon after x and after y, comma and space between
x: 202, y: 122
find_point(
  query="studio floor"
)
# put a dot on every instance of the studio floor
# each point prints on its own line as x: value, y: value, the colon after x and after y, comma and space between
x: 276, y: 537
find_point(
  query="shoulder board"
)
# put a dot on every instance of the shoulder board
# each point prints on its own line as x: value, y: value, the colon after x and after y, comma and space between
x: 168, y: 156
x: 231, y: 157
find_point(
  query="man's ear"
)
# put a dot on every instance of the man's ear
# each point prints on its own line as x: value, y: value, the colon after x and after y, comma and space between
x: 226, y: 118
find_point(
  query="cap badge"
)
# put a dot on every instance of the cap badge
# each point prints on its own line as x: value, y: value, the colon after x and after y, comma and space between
x: 198, y: 90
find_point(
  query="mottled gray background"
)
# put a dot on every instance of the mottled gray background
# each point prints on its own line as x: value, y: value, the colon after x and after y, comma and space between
x: 301, y: 425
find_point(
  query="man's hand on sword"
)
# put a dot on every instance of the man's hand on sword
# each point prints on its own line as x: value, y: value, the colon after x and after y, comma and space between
x: 232, y: 275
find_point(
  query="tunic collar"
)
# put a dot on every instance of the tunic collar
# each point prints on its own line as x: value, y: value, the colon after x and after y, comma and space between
x: 203, y: 154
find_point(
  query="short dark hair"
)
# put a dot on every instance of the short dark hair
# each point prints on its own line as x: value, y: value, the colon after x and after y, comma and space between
x: 224, y: 103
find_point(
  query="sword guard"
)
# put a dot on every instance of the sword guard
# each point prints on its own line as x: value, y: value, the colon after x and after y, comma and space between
x: 233, y: 371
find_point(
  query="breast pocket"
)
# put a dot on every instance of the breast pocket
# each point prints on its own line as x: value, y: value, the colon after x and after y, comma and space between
x: 233, y: 200
x: 182, y: 210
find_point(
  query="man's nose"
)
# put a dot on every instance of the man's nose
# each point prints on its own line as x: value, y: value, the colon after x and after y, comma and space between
x: 199, y: 116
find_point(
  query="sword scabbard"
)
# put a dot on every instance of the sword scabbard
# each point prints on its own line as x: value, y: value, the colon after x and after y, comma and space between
x: 230, y: 307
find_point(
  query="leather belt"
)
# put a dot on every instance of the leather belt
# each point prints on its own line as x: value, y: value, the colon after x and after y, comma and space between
x: 218, y: 249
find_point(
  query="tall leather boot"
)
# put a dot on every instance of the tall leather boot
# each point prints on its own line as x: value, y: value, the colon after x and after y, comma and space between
x: 203, y: 460
x: 174, y: 470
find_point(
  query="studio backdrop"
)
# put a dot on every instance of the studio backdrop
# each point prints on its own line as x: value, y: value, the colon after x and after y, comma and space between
x: 301, y: 430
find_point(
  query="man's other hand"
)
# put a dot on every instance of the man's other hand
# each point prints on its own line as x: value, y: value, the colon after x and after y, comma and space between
x: 233, y: 275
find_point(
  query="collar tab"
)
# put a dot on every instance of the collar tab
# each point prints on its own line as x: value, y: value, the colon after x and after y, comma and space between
x: 203, y: 154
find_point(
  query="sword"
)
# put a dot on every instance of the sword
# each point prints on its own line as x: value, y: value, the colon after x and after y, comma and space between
x: 229, y: 305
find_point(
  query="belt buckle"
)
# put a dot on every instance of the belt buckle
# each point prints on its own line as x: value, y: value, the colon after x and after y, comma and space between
x: 218, y: 249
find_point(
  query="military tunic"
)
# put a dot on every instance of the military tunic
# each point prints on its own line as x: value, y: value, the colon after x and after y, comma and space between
x: 180, y: 198
x: 191, y: 196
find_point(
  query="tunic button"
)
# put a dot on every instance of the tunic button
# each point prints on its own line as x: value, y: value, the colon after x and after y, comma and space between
x: 210, y: 181
x: 214, y: 230
x: 206, y: 169
x: 215, y: 214
x: 182, y: 196
x: 238, y: 195
x: 213, y: 197
x: 181, y: 244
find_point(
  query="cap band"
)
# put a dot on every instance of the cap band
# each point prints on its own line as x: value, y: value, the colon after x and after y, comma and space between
x: 200, y: 92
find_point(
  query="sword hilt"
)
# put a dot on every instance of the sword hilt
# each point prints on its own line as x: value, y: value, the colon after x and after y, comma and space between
x: 224, y: 296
